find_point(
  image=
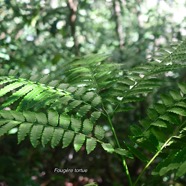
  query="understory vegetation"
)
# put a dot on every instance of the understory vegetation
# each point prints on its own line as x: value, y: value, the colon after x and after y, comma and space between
x: 98, y: 104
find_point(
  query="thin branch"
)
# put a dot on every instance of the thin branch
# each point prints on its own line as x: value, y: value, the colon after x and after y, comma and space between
x: 119, y: 146
x: 73, y: 6
x: 118, y: 21
x: 152, y: 159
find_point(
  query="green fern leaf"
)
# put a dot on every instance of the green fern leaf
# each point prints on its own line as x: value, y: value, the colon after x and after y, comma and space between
x: 67, y: 138
x: 34, y: 77
x: 182, y: 170
x: 74, y: 104
x: 57, y: 135
x: 78, y: 141
x: 10, y: 87
x: 45, y: 79
x: 75, y: 124
x: 160, y: 108
x: 88, y: 96
x: 159, y: 123
x: 10, y: 125
x: 171, y: 118
x: 41, y: 118
x: 30, y: 116
x: 108, y: 147
x: 99, y: 132
x: 23, y: 131
x: 43, y: 98
x: 53, y: 118
x: 29, y: 97
x: 83, y: 110
x: 167, y: 100
x: 71, y: 89
x: 96, y: 101
x: 128, y: 81
x: 12, y: 73
x: 2, y: 122
x: 176, y: 95
x: 65, y: 100
x: 80, y: 92
x: 6, y: 115
x: 16, y: 95
x: 6, y: 80
x: 182, y: 87
x: 122, y: 152
x: 87, y: 127
x: 90, y: 145
x: 17, y: 116
x: 181, y: 104
x: 38, y: 93
x: 178, y: 110
x: 47, y: 135
x: 95, y: 116
x: 24, y: 76
x: 170, y: 167
x: 63, y: 86
x: 53, y: 83
x: 152, y: 114
x: 35, y: 134
x: 64, y: 121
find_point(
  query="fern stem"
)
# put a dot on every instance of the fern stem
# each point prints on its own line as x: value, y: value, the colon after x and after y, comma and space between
x: 127, y: 171
x: 152, y: 159
x: 122, y: 158
x: 114, y: 132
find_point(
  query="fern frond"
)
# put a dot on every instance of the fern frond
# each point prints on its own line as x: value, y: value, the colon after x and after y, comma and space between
x: 146, y: 78
x: 175, y: 162
x: 165, y: 120
x: 116, y: 85
x: 93, y: 73
x: 49, y: 128
x: 143, y: 79
x: 174, y: 53
x: 89, y: 71
x: 54, y: 128
x: 27, y: 94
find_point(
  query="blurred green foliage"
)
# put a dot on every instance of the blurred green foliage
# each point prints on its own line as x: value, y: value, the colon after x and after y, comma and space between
x: 38, y: 36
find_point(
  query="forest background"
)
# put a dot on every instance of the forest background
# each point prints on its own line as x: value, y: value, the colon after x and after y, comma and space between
x: 41, y: 35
